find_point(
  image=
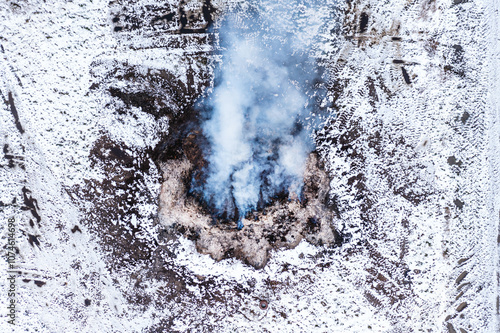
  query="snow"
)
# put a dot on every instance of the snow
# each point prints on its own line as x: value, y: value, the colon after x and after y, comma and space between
x: 50, y: 52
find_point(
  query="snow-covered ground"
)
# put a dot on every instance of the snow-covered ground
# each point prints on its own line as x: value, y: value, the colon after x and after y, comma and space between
x: 412, y: 147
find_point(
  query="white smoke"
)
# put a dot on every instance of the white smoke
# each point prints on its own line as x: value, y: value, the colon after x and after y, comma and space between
x: 258, y: 138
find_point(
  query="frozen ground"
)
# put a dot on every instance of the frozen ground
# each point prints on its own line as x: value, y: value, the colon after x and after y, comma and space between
x: 413, y: 153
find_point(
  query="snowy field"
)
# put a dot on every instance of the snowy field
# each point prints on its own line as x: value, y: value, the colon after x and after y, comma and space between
x: 92, y: 92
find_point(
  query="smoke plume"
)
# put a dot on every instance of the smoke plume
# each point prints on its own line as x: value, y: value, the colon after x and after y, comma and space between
x: 255, y: 116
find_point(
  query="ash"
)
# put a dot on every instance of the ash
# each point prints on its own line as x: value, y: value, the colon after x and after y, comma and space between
x: 281, y: 224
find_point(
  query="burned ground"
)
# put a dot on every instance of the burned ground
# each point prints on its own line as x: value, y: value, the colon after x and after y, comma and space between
x: 179, y: 159
x: 281, y: 223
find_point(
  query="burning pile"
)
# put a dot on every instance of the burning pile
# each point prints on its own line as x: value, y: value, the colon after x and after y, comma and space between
x: 284, y: 222
x: 248, y: 163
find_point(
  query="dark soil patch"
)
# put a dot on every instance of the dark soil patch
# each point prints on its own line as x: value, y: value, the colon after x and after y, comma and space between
x: 363, y: 22
x: 13, y: 111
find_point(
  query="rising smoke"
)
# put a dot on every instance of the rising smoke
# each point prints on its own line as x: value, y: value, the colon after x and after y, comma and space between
x: 255, y: 124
